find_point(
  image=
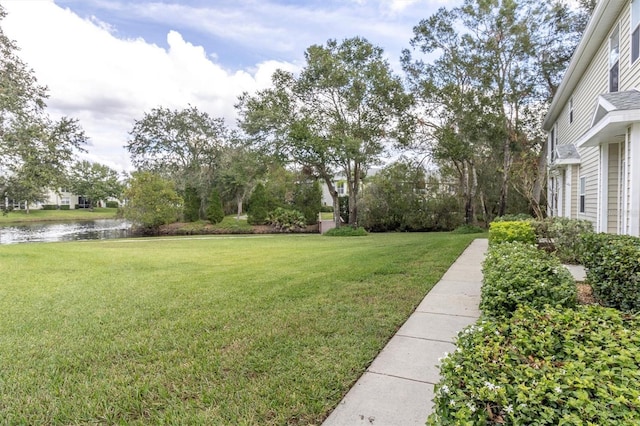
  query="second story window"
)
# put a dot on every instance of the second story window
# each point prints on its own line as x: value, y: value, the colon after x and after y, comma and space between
x: 614, y: 61
x: 635, y: 30
x: 571, y: 105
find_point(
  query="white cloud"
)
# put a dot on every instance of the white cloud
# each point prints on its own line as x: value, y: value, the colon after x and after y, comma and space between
x: 107, y: 82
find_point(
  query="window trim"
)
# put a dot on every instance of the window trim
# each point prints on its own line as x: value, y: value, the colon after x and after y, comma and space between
x: 582, y: 189
x: 634, y: 30
x: 571, y: 108
x: 614, y: 78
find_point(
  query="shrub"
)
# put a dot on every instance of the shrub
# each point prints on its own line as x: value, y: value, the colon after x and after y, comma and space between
x: 65, y: 207
x: 49, y: 207
x: 191, y: 205
x: 258, y: 209
x: 545, y: 368
x: 613, y: 269
x: 501, y: 232
x: 151, y: 201
x: 286, y: 220
x: 215, y: 212
x: 562, y: 236
x: 518, y: 274
x: 346, y: 231
x: 307, y: 199
x: 112, y: 204
x: 565, y: 234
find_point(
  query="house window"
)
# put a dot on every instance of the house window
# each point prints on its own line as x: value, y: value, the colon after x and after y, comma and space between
x: 571, y: 103
x: 614, y: 61
x: 65, y: 201
x: 341, y: 188
x: 583, y: 184
x: 635, y: 30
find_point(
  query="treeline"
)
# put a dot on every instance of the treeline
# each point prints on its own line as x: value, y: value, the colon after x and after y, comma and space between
x: 478, y: 79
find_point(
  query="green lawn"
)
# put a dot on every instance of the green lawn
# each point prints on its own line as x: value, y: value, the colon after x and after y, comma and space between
x: 57, y: 215
x: 253, y: 330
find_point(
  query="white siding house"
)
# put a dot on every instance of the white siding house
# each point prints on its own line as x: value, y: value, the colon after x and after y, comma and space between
x: 593, y: 124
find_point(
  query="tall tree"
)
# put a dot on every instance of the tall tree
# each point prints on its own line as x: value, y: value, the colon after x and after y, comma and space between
x: 34, y: 150
x: 240, y: 168
x: 499, y: 61
x: 337, y: 117
x: 94, y: 181
x: 182, y: 145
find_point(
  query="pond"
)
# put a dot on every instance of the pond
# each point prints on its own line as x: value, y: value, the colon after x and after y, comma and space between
x: 100, y: 229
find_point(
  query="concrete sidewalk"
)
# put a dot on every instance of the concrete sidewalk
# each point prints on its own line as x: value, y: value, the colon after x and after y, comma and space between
x: 398, y: 386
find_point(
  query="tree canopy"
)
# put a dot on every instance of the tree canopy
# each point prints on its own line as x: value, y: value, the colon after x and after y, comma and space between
x: 151, y: 201
x: 94, y: 181
x: 34, y: 149
x: 183, y: 145
x: 484, y: 96
x: 337, y: 117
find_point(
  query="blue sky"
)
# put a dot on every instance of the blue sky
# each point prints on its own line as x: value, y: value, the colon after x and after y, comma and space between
x: 107, y: 62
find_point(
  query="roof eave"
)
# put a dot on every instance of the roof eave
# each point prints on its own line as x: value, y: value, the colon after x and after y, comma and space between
x: 600, y: 24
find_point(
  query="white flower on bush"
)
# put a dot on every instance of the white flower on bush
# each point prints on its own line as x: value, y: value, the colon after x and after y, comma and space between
x: 452, y: 402
x: 443, y: 357
x: 558, y: 389
x: 491, y: 386
x: 471, y: 407
x: 444, y: 389
x: 509, y: 409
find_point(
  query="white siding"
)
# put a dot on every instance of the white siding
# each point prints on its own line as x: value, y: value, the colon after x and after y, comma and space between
x: 612, y: 188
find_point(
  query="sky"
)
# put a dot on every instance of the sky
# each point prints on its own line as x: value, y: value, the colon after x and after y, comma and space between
x: 108, y: 62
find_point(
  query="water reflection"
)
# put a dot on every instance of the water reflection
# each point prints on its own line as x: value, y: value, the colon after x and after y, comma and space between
x: 64, y: 231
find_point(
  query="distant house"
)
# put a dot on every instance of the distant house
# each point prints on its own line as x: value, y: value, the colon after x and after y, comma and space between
x: 340, y: 183
x: 62, y: 199
x: 593, y: 124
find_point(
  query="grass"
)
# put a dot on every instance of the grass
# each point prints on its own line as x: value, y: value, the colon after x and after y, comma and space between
x: 21, y: 216
x: 326, y: 215
x: 244, y: 330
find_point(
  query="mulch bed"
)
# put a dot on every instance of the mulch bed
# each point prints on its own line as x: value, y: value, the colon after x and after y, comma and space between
x: 585, y: 294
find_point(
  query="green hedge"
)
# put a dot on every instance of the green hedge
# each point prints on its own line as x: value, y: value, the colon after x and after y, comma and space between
x: 565, y: 234
x: 49, y: 207
x: 549, y: 367
x: 112, y: 204
x: 346, y: 231
x: 286, y: 220
x: 501, y: 232
x: 613, y: 269
x: 517, y: 274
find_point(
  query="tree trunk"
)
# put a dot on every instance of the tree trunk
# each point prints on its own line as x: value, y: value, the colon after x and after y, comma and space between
x: 504, y: 186
x: 538, y: 184
x: 239, y: 204
x: 470, y: 183
x: 334, y: 196
x: 472, y: 195
x: 354, y: 187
